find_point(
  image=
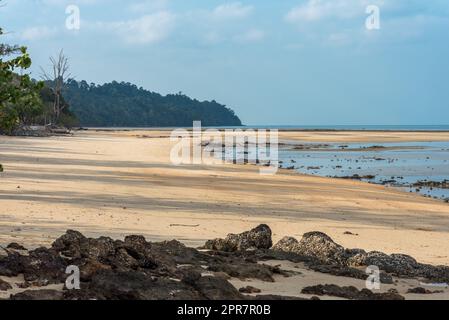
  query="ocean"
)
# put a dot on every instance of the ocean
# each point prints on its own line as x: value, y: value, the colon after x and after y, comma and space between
x: 305, y: 127
x: 421, y: 167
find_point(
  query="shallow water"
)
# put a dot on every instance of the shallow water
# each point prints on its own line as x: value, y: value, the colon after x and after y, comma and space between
x: 396, y: 164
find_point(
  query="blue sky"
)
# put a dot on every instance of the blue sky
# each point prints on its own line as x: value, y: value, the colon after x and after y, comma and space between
x: 310, y: 62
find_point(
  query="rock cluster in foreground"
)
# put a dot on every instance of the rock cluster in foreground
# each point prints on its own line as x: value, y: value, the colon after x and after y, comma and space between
x: 139, y: 270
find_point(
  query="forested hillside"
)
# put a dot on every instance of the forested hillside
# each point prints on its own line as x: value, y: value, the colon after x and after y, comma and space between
x: 125, y: 105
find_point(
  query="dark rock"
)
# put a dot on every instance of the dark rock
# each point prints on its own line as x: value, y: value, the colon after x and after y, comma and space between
x: 390, y: 264
x: 348, y: 233
x: 190, y: 276
x: 90, y: 267
x: 438, y: 274
x: 319, y: 246
x: 358, y: 177
x: 131, y: 285
x: 287, y: 244
x: 420, y: 290
x: 258, y: 238
x: 315, y: 244
x: 74, y: 245
x: 282, y: 255
x: 217, y: 288
x: 24, y: 285
x: 250, y: 290
x: 69, y: 244
x: 43, y: 266
x: 40, y: 295
x: 99, y: 249
x: 173, y: 253
x: 138, y: 270
x: 350, y: 293
x: 113, y: 285
x: 11, y: 265
x: 432, y: 184
x: 4, y: 286
x: 134, y: 253
x: 245, y: 271
x: 123, y: 261
x: 16, y: 246
x: 271, y: 297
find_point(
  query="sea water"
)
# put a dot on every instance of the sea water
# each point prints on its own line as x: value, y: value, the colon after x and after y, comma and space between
x: 394, y: 164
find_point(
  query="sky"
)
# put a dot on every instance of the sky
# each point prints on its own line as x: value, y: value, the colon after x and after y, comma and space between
x: 275, y: 62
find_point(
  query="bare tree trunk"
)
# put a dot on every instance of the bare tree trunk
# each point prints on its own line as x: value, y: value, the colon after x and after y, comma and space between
x: 60, y: 70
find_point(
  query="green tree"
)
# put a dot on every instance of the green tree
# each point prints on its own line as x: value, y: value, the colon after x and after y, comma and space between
x: 19, y: 95
x: 126, y: 105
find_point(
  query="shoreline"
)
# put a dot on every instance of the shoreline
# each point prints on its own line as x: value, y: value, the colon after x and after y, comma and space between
x: 280, y: 129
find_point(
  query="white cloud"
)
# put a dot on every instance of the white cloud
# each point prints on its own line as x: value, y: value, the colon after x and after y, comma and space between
x: 147, y: 29
x: 314, y: 10
x: 223, y: 24
x: 342, y: 22
x: 38, y: 33
x: 234, y: 10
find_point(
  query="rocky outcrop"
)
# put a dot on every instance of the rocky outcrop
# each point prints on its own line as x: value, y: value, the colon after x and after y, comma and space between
x: 339, y: 260
x: 258, y: 238
x: 135, y: 269
x: 315, y: 244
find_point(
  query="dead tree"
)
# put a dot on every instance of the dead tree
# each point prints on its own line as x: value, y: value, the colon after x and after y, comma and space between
x: 56, y: 79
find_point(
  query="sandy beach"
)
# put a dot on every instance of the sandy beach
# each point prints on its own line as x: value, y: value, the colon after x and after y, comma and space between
x: 118, y: 183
